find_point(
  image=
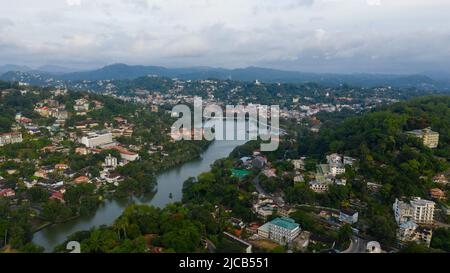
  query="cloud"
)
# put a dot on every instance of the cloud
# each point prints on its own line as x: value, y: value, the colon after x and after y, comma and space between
x: 310, y: 35
x: 373, y: 2
x: 73, y: 2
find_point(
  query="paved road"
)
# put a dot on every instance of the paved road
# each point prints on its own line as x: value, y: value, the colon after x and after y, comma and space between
x: 277, y: 199
x: 357, y: 245
x: 209, y: 245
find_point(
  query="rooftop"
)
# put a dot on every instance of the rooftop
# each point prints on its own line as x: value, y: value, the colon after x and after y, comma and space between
x: 285, y: 222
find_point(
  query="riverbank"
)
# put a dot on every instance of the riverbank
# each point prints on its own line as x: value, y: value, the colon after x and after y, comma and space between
x: 169, y: 182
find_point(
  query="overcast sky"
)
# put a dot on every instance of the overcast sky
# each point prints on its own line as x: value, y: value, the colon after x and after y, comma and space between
x: 390, y: 36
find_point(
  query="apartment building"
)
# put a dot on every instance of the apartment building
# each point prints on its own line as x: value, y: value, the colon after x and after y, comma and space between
x: 418, y: 210
x: 10, y: 138
x: 429, y: 137
x: 94, y: 139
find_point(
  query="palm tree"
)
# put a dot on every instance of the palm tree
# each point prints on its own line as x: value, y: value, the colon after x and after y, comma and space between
x: 121, y: 224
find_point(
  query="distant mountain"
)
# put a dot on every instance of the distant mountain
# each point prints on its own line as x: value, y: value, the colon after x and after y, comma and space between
x: 55, y: 69
x: 13, y: 67
x: 123, y: 71
x: 438, y: 75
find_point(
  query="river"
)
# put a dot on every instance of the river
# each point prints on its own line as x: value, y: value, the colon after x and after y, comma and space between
x: 169, y: 182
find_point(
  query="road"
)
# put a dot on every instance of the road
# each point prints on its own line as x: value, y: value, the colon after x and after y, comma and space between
x: 357, y: 245
x: 209, y: 245
x: 277, y: 199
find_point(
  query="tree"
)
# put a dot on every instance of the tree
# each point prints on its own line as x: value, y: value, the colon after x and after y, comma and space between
x: 38, y: 194
x: 441, y: 239
x: 344, y: 236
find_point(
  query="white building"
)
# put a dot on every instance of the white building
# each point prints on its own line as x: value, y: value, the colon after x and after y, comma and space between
x: 10, y: 138
x: 411, y: 232
x: 348, y: 216
x: 299, y: 164
x: 334, y: 158
x: 94, y: 139
x: 337, y: 169
x: 111, y: 161
x: 318, y: 187
x: 336, y: 163
x: 283, y: 230
x: 418, y: 210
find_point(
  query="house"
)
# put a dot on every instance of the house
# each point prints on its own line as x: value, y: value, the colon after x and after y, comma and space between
x: 81, y: 151
x: 61, y: 167
x: 437, y: 193
x: 81, y: 180
x: 340, y: 182
x: 57, y: 196
x: 41, y: 174
x: 259, y: 162
x: 441, y: 179
x: 270, y: 173
x: 246, y: 160
x: 299, y: 164
x: 266, y: 210
x: 348, y: 216
x: 299, y: 179
x: 22, y: 120
x: 7, y: 193
x: 113, y: 178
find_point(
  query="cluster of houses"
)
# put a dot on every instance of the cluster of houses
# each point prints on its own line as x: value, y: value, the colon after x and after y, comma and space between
x: 327, y: 173
x: 83, y: 106
x: 51, y: 108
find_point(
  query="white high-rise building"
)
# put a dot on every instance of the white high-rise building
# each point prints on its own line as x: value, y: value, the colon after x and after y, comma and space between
x: 418, y: 210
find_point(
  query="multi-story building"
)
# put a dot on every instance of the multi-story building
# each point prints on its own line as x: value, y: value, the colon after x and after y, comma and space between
x: 429, y: 137
x: 418, y: 210
x: 94, y: 139
x: 411, y: 232
x: 10, y: 138
x: 283, y: 230
x: 111, y: 161
x: 337, y: 169
x: 318, y: 187
x: 336, y: 163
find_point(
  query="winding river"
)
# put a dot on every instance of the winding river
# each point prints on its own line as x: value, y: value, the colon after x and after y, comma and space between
x: 169, y: 183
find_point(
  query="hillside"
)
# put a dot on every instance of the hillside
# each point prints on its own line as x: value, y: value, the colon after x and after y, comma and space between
x: 249, y: 74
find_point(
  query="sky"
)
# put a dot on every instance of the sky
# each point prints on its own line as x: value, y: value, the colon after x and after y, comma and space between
x: 340, y: 36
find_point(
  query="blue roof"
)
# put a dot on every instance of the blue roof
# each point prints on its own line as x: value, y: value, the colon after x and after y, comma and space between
x: 285, y: 222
